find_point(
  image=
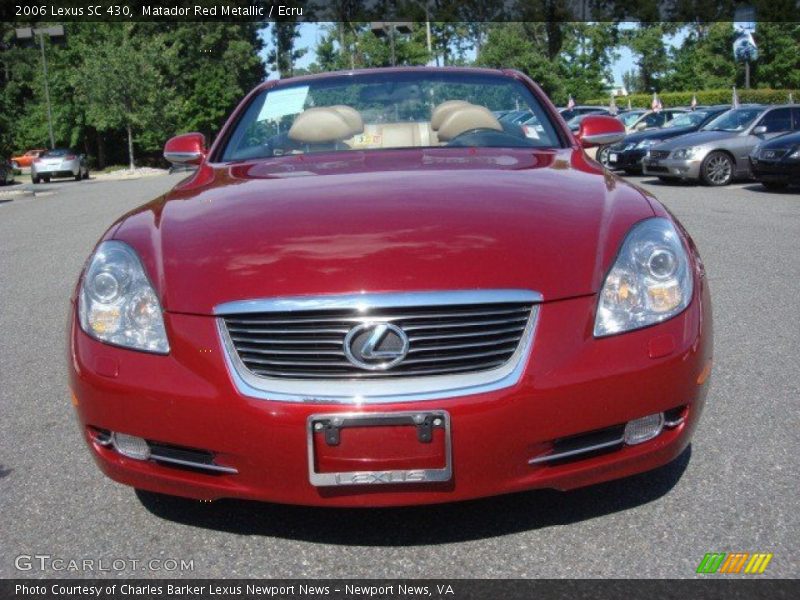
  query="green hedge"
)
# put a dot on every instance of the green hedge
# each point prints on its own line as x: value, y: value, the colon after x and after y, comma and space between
x: 760, y: 96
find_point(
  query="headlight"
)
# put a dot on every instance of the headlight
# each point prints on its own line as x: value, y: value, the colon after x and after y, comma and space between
x: 646, y: 143
x: 650, y: 282
x: 117, y: 304
x: 796, y: 154
x: 685, y: 153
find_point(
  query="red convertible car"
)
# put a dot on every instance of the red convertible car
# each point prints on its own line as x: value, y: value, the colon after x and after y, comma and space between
x: 373, y: 292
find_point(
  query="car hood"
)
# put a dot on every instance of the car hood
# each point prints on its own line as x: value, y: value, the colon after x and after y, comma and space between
x: 698, y: 138
x: 385, y: 221
x: 657, y: 134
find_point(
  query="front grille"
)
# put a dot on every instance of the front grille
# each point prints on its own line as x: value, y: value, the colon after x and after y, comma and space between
x: 659, y: 154
x: 309, y: 344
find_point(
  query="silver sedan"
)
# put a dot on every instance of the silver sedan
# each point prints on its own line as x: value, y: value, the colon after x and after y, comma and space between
x: 719, y: 152
x: 59, y: 162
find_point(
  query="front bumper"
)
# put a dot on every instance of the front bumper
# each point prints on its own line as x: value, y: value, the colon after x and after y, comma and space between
x: 781, y: 171
x: 626, y: 159
x: 573, y: 384
x: 688, y: 169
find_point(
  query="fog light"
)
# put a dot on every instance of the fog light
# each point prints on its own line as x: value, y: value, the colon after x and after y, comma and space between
x: 131, y: 446
x: 646, y: 428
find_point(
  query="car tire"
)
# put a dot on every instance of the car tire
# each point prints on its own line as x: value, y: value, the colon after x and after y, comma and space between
x: 46, y: 179
x: 774, y: 186
x: 602, y: 155
x: 35, y: 180
x: 79, y: 176
x: 717, y: 169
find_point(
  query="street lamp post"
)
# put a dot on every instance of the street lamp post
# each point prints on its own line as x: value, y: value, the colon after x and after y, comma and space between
x: 389, y: 28
x: 40, y: 33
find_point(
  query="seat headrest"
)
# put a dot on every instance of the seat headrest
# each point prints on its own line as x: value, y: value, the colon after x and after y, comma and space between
x: 352, y: 117
x: 443, y: 110
x: 465, y: 118
x: 322, y: 125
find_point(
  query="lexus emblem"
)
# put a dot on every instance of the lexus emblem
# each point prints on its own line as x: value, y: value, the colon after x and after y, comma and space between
x: 375, y: 346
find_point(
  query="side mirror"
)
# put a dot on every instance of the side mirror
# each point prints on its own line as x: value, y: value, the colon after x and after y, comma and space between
x: 600, y: 130
x: 186, y: 149
x: 760, y: 130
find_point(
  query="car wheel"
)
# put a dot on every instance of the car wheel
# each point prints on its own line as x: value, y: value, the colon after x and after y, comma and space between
x: 34, y: 179
x: 78, y: 176
x: 602, y: 155
x: 774, y: 185
x: 717, y: 169
x: 46, y: 179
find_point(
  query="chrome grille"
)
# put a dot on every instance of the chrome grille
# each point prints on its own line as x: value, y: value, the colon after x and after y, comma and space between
x: 309, y: 344
x: 659, y: 154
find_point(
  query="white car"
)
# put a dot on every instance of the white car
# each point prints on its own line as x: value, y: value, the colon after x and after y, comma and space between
x: 59, y: 162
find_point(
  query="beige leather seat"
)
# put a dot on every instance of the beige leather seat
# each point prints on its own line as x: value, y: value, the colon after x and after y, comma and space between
x: 444, y: 110
x: 461, y: 119
x: 326, y: 125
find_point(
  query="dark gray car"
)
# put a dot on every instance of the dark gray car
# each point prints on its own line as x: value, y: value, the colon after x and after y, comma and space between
x: 719, y: 152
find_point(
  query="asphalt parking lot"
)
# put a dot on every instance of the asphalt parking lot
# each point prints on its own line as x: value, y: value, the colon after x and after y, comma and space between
x: 735, y: 489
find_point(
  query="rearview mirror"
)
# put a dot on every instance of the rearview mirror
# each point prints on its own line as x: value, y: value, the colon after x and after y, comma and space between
x: 600, y: 130
x: 760, y: 130
x: 187, y: 149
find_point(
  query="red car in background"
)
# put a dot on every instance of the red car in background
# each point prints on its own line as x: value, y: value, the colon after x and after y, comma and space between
x: 26, y: 160
x: 371, y: 292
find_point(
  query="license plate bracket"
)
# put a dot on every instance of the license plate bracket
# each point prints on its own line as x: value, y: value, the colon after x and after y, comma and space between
x: 424, y: 432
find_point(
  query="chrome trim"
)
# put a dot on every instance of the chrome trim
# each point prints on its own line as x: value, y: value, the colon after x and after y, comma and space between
x: 366, y: 301
x: 190, y: 463
x: 182, y: 157
x: 407, y: 476
x: 372, y: 391
x: 675, y: 423
x: 586, y: 449
x: 380, y: 328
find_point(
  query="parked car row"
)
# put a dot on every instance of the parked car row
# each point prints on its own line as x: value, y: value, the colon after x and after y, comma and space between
x: 716, y: 145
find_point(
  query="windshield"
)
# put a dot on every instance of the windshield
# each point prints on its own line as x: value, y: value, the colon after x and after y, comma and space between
x: 688, y: 119
x: 734, y: 120
x: 629, y: 118
x: 379, y: 111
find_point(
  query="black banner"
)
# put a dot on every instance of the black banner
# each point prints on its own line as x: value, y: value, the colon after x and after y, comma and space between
x: 28, y: 11
x: 734, y: 588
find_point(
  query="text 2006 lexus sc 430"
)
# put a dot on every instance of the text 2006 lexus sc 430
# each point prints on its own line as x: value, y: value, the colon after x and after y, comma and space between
x: 373, y: 292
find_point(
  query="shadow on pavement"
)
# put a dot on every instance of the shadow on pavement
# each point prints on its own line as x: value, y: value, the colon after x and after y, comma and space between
x: 409, y: 526
x: 788, y: 191
x: 4, y: 472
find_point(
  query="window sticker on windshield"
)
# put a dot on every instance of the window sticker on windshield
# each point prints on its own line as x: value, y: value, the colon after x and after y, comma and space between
x: 279, y: 103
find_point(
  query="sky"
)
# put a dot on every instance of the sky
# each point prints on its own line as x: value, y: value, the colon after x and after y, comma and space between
x: 309, y: 33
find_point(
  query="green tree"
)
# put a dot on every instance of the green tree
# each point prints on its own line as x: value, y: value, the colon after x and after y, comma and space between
x: 123, y: 84
x: 284, y: 53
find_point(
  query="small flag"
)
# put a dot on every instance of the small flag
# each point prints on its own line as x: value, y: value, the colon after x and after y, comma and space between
x: 694, y: 101
x: 612, y: 106
x: 735, y: 99
x: 656, y: 104
x: 570, y: 103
